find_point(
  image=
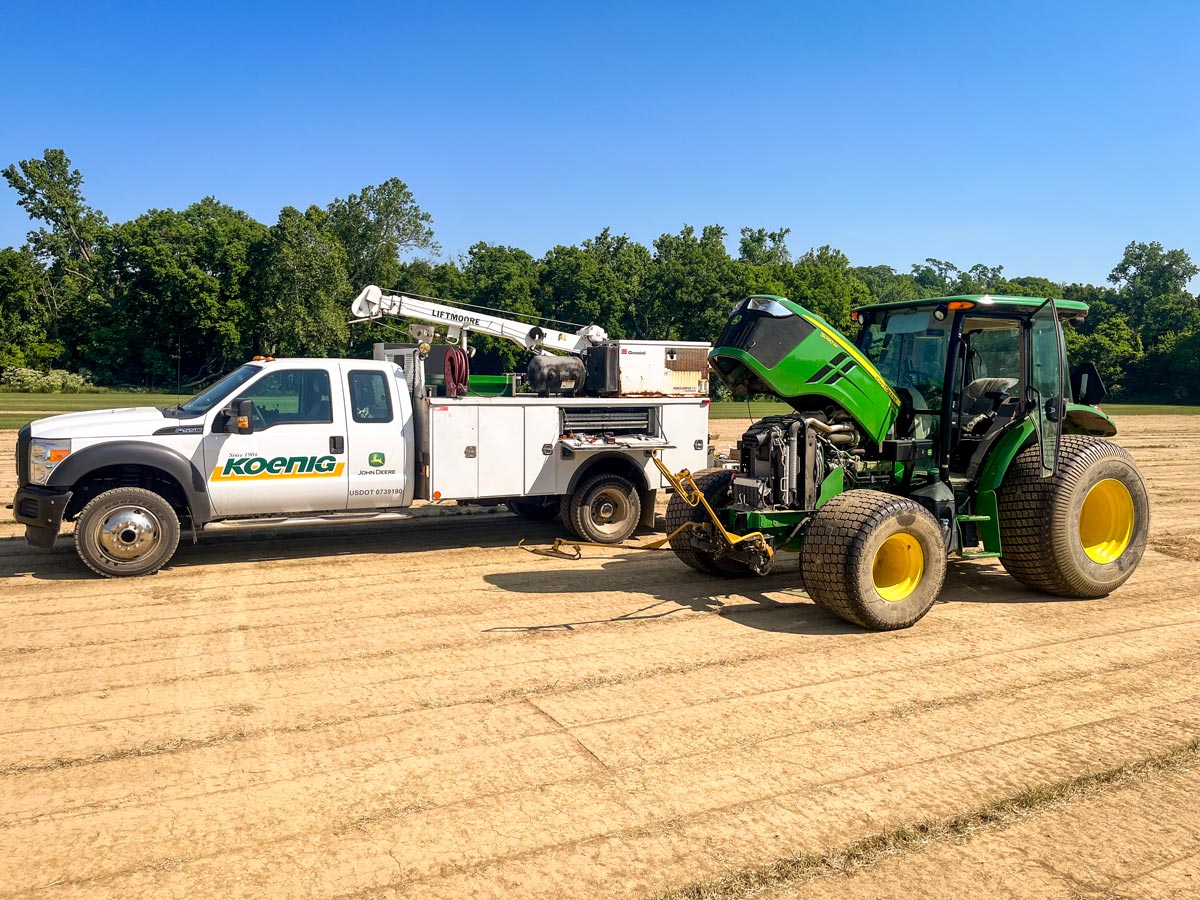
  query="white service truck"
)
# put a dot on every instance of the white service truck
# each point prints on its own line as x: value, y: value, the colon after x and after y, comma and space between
x: 324, y: 440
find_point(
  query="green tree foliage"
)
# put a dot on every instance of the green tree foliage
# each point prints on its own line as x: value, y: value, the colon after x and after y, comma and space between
x: 823, y: 281
x: 24, y: 317
x: 690, y: 288
x: 301, y: 287
x: 181, y: 277
x: 176, y: 297
x: 375, y: 226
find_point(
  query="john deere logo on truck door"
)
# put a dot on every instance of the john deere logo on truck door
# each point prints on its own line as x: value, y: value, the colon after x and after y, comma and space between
x: 260, y: 469
x: 376, y: 459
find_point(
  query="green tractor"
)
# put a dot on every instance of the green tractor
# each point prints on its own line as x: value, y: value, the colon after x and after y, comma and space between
x: 950, y: 427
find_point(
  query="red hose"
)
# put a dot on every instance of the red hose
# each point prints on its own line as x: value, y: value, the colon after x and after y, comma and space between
x: 457, y: 371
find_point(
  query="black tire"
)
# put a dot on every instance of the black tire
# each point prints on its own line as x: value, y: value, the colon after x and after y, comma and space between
x: 126, y: 531
x: 604, y: 509
x: 1081, y: 532
x: 535, y: 509
x: 874, y: 559
x: 714, y: 484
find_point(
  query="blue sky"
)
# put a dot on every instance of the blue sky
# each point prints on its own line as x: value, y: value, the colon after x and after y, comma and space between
x: 1042, y: 137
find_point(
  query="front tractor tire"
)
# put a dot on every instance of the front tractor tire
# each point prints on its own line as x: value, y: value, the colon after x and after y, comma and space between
x: 874, y: 559
x: 604, y: 509
x: 716, y: 486
x: 126, y: 531
x: 1081, y: 532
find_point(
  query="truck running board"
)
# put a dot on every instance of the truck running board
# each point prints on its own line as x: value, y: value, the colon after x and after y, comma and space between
x: 424, y: 512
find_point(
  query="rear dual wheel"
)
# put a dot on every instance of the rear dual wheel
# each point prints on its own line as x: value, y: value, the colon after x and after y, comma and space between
x: 604, y: 509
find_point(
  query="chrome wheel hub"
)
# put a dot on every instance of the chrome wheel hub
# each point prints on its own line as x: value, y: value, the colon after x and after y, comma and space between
x: 128, y: 532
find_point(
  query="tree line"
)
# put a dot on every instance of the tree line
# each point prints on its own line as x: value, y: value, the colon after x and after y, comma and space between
x: 171, y: 299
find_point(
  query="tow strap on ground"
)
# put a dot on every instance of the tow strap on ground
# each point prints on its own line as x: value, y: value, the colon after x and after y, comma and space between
x: 686, y: 489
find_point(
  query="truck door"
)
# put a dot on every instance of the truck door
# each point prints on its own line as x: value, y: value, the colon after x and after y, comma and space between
x: 295, y: 461
x: 381, y: 437
x: 1046, y: 382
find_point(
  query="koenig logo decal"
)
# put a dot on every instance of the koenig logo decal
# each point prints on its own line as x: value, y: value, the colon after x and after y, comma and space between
x: 258, y: 468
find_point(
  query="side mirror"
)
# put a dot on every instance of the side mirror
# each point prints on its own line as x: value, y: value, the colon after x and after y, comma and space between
x: 239, y: 417
x: 1086, y: 385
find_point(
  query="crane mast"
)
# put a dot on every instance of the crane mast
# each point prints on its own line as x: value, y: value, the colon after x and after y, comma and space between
x: 372, y: 303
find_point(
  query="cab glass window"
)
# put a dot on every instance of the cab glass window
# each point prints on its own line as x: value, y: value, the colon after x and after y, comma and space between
x: 291, y: 397
x: 369, y: 397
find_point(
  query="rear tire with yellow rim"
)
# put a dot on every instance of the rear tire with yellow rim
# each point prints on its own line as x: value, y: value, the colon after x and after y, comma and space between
x: 874, y: 559
x: 1081, y: 532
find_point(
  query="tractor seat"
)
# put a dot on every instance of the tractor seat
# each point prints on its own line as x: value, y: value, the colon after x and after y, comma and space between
x: 975, y: 400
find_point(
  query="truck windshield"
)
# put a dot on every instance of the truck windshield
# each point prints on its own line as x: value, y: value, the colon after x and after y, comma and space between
x: 207, y: 399
x: 909, y: 350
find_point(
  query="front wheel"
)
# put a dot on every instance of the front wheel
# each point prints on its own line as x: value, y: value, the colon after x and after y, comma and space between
x: 1082, y: 531
x: 874, y: 559
x: 126, y: 531
x: 605, y: 509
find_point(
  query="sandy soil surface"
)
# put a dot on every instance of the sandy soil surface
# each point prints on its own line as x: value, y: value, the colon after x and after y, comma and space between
x: 423, y: 710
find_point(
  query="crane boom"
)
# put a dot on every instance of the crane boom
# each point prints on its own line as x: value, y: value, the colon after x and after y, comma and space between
x: 373, y: 303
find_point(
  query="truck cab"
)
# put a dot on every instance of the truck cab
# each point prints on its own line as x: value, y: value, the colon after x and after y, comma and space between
x: 273, y: 436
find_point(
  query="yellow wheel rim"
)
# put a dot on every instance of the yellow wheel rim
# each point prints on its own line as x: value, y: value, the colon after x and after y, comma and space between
x: 898, y: 567
x: 1106, y: 521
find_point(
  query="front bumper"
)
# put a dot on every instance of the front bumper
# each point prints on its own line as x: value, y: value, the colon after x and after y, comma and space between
x: 40, y: 510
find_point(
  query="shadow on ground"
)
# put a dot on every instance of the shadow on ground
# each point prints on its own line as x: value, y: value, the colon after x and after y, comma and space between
x: 776, y: 602
x: 301, y: 543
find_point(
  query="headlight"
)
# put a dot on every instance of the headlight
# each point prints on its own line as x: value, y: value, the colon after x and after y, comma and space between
x: 44, y: 456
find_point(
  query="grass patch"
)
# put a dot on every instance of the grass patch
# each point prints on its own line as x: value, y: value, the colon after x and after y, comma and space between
x: 743, y: 410
x: 866, y: 852
x: 1149, y: 409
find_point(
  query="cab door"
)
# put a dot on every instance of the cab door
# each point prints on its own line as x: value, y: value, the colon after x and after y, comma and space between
x: 295, y: 461
x: 1046, y: 382
x: 380, y: 437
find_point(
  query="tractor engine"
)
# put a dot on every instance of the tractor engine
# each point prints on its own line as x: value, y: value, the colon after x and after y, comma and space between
x: 784, y: 459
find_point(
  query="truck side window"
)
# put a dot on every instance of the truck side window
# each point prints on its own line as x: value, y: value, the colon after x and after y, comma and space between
x: 291, y: 397
x: 369, y: 397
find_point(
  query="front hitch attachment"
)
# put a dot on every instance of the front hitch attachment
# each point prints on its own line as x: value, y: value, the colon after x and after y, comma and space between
x: 754, y: 548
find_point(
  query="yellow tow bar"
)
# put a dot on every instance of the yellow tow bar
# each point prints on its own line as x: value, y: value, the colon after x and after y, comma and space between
x: 686, y: 489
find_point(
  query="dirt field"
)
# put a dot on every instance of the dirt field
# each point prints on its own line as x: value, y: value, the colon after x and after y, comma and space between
x: 422, y: 710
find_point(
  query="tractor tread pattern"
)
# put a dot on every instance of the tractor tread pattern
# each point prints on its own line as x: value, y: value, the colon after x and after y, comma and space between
x: 838, y: 533
x: 1030, y: 543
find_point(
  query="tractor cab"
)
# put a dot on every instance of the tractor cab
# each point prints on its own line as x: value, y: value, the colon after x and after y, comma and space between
x: 970, y: 369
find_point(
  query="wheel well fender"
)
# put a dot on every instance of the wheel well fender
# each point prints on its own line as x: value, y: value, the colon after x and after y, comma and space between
x: 133, y: 464
x: 994, y: 468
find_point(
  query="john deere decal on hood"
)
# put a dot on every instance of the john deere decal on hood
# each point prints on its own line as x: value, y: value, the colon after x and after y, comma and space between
x: 280, y: 467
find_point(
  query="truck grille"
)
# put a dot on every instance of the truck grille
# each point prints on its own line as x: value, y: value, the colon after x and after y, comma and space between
x: 628, y: 420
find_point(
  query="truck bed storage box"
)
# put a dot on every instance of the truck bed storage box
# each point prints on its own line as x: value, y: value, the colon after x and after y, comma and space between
x: 662, y: 368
